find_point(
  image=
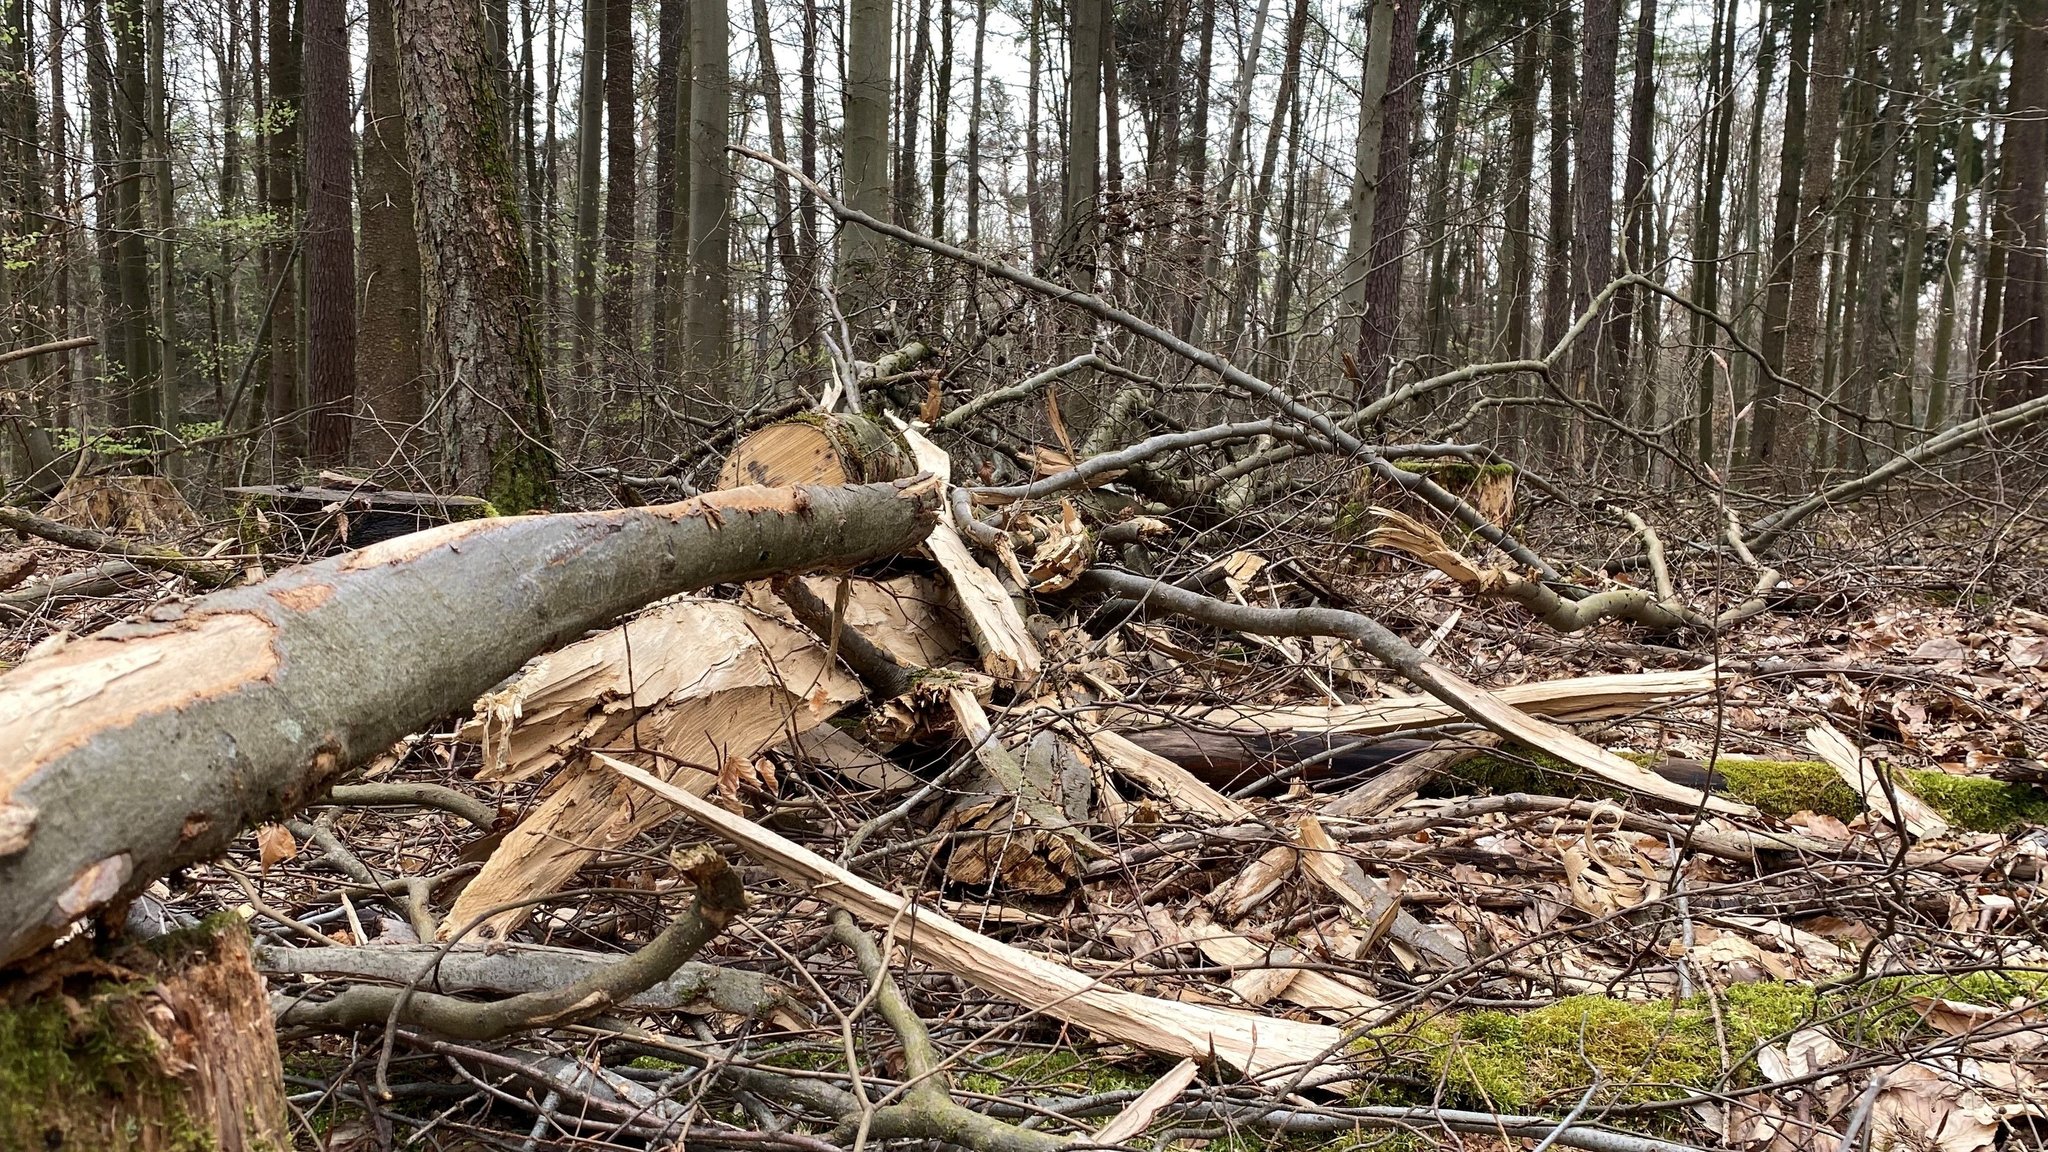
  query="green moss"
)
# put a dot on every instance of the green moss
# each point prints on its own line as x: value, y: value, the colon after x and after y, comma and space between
x: 655, y: 1064
x: 999, y: 1073
x: 1780, y: 788
x: 1881, y: 1012
x: 60, y: 1060
x: 1642, y: 1051
x: 1451, y: 471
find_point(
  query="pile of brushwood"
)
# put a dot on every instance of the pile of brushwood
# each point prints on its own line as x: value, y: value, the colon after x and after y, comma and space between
x: 1130, y: 798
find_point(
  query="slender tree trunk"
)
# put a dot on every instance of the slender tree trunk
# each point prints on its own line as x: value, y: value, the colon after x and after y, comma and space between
x: 799, y: 278
x: 2022, y: 370
x: 974, y: 177
x: 942, y: 107
x: 1255, y: 224
x: 668, y: 70
x: 1816, y: 193
x: 330, y: 241
x: 1635, y: 207
x: 621, y: 202
x: 1034, y: 183
x: 589, y: 156
x: 1784, y: 234
x: 1932, y: 39
x: 1382, y: 313
x: 1971, y: 98
x: 130, y: 110
x: 1517, y: 269
x: 1593, y: 215
x: 1436, y: 216
x: 484, y: 342
x: 1557, y: 268
x: 1235, y: 143
x: 1084, y: 141
x: 915, y: 68
x: 118, y: 373
x: 1363, y: 208
x: 1706, y: 282
x: 863, y: 255
x: 282, y: 117
x: 710, y: 197
x: 1769, y: 16
x: 164, y: 188
x: 388, y: 364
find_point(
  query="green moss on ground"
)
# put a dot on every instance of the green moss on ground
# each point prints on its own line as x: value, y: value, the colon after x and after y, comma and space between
x: 999, y: 1073
x: 1782, y: 788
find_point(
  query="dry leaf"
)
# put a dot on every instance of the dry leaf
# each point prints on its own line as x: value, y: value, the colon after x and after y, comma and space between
x: 275, y: 845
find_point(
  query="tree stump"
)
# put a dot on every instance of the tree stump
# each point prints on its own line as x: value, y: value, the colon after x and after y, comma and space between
x: 819, y: 448
x: 169, y: 1049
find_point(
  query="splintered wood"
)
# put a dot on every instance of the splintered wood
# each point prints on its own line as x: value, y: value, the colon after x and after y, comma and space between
x: 696, y: 688
x: 1261, y: 1046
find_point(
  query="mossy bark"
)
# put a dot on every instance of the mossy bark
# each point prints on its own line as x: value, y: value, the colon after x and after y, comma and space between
x: 177, y: 1056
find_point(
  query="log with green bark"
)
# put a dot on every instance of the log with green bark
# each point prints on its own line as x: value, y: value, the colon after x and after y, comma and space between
x: 151, y: 745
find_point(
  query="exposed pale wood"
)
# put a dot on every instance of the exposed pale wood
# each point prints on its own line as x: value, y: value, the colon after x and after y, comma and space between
x: 1009, y: 827
x: 1243, y: 893
x: 1258, y: 1045
x: 1323, y: 860
x: 1166, y: 780
x: 1007, y: 651
x: 1887, y: 799
x: 1399, y: 781
x: 850, y: 758
x: 1137, y: 1115
x: 906, y: 616
x: 697, y: 682
x: 1579, y: 698
x: 151, y: 745
x: 817, y: 448
x: 1329, y: 995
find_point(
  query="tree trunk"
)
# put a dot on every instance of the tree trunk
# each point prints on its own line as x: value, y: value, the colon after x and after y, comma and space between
x: 621, y: 203
x: 589, y: 156
x: 2023, y: 331
x: 1381, y: 316
x: 483, y: 340
x: 388, y: 342
x: 1593, y: 214
x: 1365, y: 180
x: 912, y: 91
x: 130, y: 105
x: 1970, y: 94
x: 164, y: 190
x: 1635, y: 206
x: 1784, y: 235
x: 1251, y: 257
x: 1084, y: 135
x: 668, y: 75
x: 1932, y: 39
x: 800, y: 280
x: 330, y: 238
x: 1816, y: 192
x: 1706, y: 281
x: 1516, y: 267
x: 710, y: 197
x: 864, y: 255
x: 284, y: 393
x: 1557, y: 236
x: 173, y: 735
x: 109, y: 1072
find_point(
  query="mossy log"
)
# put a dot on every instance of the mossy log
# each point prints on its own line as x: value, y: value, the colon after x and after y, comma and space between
x: 819, y: 448
x: 177, y: 1055
x: 152, y: 745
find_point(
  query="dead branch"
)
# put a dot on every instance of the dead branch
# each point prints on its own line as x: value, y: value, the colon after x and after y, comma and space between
x: 1468, y: 698
x: 875, y: 667
x: 104, y: 580
x: 1422, y: 487
x: 206, y: 573
x: 719, y: 898
x: 152, y: 745
x: 416, y: 795
x: 13, y: 354
x: 1023, y: 389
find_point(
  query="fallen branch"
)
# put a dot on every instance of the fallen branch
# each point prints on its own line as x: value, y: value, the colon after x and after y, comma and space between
x: 150, y: 746
x: 1023, y: 389
x: 105, y: 580
x: 206, y: 573
x: 1467, y: 698
x: 719, y: 898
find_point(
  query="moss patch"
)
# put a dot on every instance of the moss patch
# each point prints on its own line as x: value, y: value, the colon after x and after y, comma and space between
x: 1641, y: 1051
x: 999, y: 1073
x: 1780, y: 788
x: 63, y: 1062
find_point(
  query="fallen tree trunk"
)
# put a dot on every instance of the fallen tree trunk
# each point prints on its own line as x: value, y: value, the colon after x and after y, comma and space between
x: 818, y: 448
x: 149, y: 746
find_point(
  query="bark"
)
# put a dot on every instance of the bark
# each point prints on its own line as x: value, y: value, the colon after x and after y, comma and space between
x: 330, y: 239
x: 981, y: 8
x: 164, y: 198
x: 2022, y: 367
x: 1784, y: 236
x: 589, y: 156
x: 150, y: 746
x: 482, y: 336
x: 1381, y: 315
x: 907, y: 127
x: 1706, y: 283
x: 1252, y: 255
x: 710, y: 197
x: 112, y: 1069
x: 1635, y: 180
x: 1078, y: 209
x: 621, y: 202
x: 138, y: 351
x: 863, y: 256
x: 800, y: 280
x: 1517, y: 269
x: 1816, y: 193
x: 1933, y: 44
x: 1365, y: 180
x: 670, y: 30
x: 388, y: 341
x: 1557, y: 236
x: 1593, y: 202
x: 284, y: 386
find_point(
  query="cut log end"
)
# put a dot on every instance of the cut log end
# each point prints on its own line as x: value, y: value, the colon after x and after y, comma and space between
x: 818, y: 449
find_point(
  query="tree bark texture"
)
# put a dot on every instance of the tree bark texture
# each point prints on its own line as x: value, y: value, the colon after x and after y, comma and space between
x: 709, y: 287
x: 622, y: 130
x: 484, y: 341
x: 1816, y: 192
x: 150, y: 746
x: 330, y: 243
x: 1593, y: 215
x: 388, y: 365
x: 863, y: 255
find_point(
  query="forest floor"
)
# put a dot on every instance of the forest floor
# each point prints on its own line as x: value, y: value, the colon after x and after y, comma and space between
x: 1502, y: 951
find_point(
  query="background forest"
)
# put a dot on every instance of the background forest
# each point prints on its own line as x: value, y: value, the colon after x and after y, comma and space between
x: 291, y: 222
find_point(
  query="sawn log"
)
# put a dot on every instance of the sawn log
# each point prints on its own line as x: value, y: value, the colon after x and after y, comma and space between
x: 146, y: 747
